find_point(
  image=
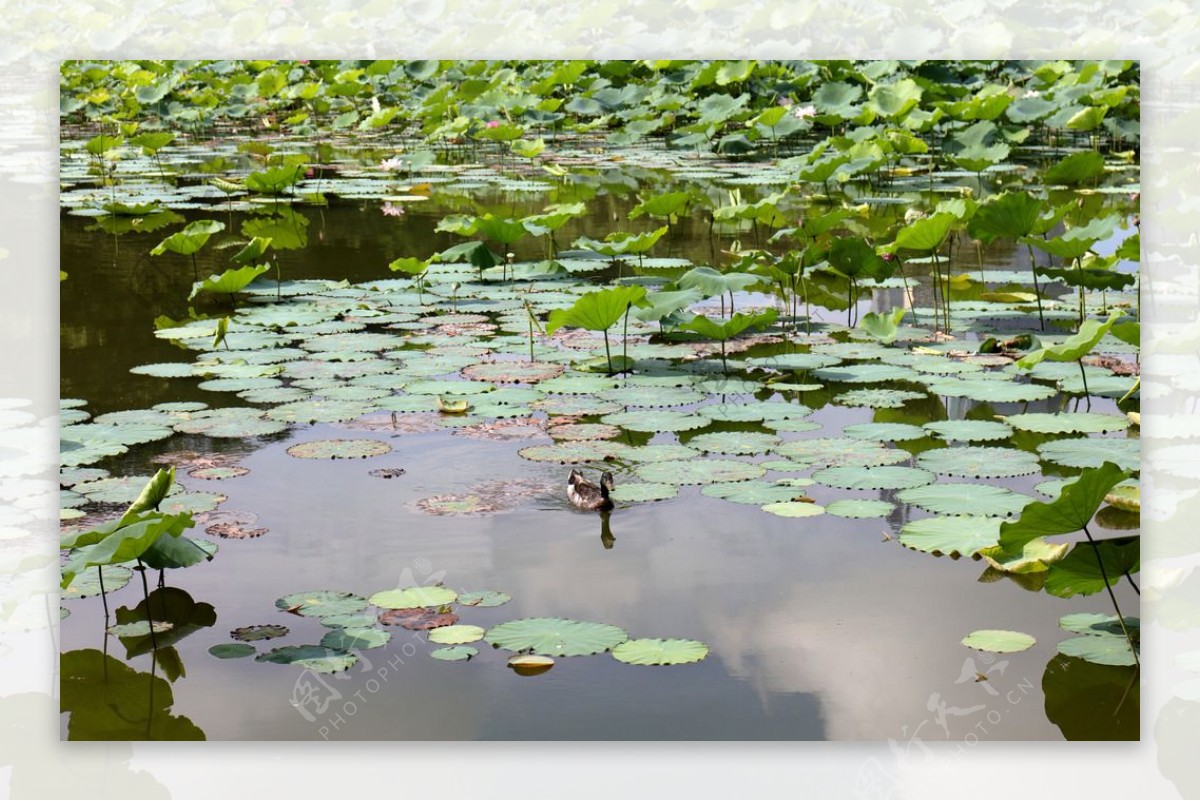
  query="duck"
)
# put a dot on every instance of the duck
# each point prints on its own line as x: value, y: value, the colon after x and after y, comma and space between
x: 587, y: 495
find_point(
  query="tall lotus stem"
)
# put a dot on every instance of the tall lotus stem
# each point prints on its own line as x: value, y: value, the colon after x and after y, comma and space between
x: 1112, y: 596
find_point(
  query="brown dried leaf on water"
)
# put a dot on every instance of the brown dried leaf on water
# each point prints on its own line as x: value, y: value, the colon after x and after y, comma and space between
x: 407, y: 423
x: 418, y: 619
x: 387, y: 472
x: 485, y: 499
x: 465, y: 329
x: 231, y: 525
x: 196, y: 460
x: 1117, y: 365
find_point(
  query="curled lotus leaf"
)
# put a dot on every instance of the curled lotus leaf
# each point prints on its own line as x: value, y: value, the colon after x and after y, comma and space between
x: 454, y: 653
x: 859, y: 508
x: 699, y: 471
x: 316, y: 658
x: 512, y: 372
x: 322, y: 603
x: 458, y: 634
x: 261, y: 632
x: 660, y: 652
x: 979, y: 462
x: 419, y: 619
x: 638, y: 493
x: 734, y: 442
x: 413, y: 597
x: 888, y: 477
x: 969, y: 430
x: 556, y: 636
x: 530, y: 664
x: 999, y: 641
x: 339, y: 449
x: 966, y: 499
x: 355, y: 639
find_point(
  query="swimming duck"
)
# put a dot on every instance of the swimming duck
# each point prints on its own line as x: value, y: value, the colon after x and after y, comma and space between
x: 587, y: 495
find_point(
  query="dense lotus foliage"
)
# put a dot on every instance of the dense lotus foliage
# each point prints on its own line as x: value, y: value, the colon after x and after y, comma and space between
x: 909, y: 299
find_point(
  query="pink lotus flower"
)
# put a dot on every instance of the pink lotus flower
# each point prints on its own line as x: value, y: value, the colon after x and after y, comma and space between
x: 493, y: 124
x: 392, y: 211
x: 804, y: 112
x: 394, y: 163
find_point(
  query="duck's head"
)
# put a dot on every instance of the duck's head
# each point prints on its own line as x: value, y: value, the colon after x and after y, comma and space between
x: 574, y: 478
x: 606, y: 481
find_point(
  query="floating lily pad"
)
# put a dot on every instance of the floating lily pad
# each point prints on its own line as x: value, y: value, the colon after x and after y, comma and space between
x: 231, y: 423
x: 412, y: 597
x: 576, y: 405
x: 484, y: 598
x: 638, y: 493
x: 232, y: 650
x: 262, y: 632
x: 1127, y: 498
x: 840, y: 451
x: 656, y: 420
x: 734, y: 442
x: 339, y: 449
x: 951, y: 536
x: 431, y: 387
x: 120, y: 491
x: 581, y: 432
x: 319, y: 411
x: 1068, y: 422
x: 355, y: 639
x: 556, y: 636
x: 530, y: 664
x: 322, y: 603
x: 1098, y: 624
x: 419, y: 619
x: 191, y: 502
x: 797, y: 362
x: 756, y: 493
x: 864, y: 478
x: 574, y: 384
x: 699, y: 471
x: 316, y: 658
x: 512, y: 372
x: 217, y: 473
x: 1101, y: 650
x: 859, y: 508
x: 966, y: 499
x: 998, y: 641
x: 989, y: 391
x: 358, y: 620
x: 753, y: 412
x: 1093, y: 452
x: 969, y: 430
x: 866, y: 373
x: 884, y: 432
x: 454, y: 653
x: 652, y: 396
x: 456, y: 635
x: 660, y: 652
x: 658, y: 453
x: 794, y: 509
x: 877, y: 398
x: 979, y: 462
x: 562, y: 453
x: 140, y: 628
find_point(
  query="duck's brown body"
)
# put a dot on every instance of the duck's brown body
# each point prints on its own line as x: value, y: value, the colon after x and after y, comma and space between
x: 586, y: 495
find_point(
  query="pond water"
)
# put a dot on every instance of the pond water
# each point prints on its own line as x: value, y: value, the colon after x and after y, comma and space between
x: 820, y: 627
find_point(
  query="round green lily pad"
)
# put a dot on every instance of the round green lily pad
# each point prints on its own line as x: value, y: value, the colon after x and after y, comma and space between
x: 979, y: 462
x: 999, y: 641
x: 658, y: 453
x: 734, y: 442
x: 322, y: 603
x: 339, y: 449
x: 355, y: 639
x: 582, y: 432
x: 990, y: 391
x: 316, y: 658
x: 840, y: 451
x: 358, y: 620
x: 217, y: 473
x: 556, y: 636
x: 638, y: 493
x: 454, y: 653
x: 966, y: 499
x: 459, y: 634
x: 88, y: 582
x: 651, y: 396
x: 874, y: 478
x: 794, y: 509
x: 484, y: 598
x: 412, y: 597
x: 512, y: 372
x: 951, y: 536
x: 1098, y: 624
x: 877, y: 398
x: 866, y: 373
x: 884, y: 432
x: 1093, y: 452
x: 232, y: 650
x: 756, y: 493
x: 1101, y: 650
x: 656, y: 420
x: 698, y: 471
x: 1068, y: 422
x: 859, y: 508
x: 660, y: 652
x: 562, y: 453
x: 969, y: 430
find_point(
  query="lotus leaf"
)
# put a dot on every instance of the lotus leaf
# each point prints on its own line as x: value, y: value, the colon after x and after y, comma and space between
x: 864, y: 478
x: 456, y: 635
x: 859, y: 507
x: 339, y: 449
x: 454, y: 653
x: 316, y: 658
x: 322, y: 603
x: 999, y: 641
x: 951, y: 536
x: 794, y: 509
x: 969, y: 430
x: 355, y: 639
x: 979, y: 462
x: 966, y: 499
x: 232, y: 650
x: 556, y: 637
x: 702, y: 471
x: 660, y: 652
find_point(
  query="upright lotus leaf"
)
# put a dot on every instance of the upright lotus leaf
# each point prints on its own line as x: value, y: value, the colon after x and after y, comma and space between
x: 712, y: 283
x: 661, y: 306
x: 1075, y: 169
x: 1076, y: 241
x: 229, y: 282
x: 1067, y: 514
x: 275, y: 180
x: 894, y: 100
x: 723, y: 330
x: 618, y: 243
x: 500, y: 229
x: 598, y: 310
x: 884, y: 327
x: 190, y: 240
x: 1079, y: 572
x: 662, y: 206
x: 925, y: 233
x: 122, y: 540
x: 254, y: 250
x: 1012, y: 215
x: 1074, y: 347
x: 855, y: 259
